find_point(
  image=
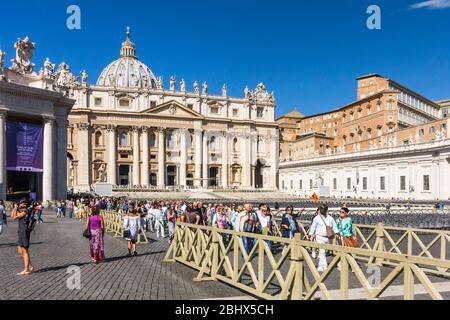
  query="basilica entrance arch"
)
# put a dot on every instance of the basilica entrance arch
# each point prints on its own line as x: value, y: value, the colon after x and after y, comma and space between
x: 259, y: 178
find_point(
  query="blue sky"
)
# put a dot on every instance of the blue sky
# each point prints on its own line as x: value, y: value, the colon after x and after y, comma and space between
x: 308, y: 52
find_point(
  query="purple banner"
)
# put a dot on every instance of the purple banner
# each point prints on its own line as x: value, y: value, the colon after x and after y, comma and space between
x: 24, y: 147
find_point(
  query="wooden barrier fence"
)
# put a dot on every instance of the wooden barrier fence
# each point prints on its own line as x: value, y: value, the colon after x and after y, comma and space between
x: 220, y: 255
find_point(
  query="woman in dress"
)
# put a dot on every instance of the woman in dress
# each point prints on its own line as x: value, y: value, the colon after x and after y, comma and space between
x: 22, y: 214
x: 96, y: 225
x: 346, y: 231
x: 132, y: 226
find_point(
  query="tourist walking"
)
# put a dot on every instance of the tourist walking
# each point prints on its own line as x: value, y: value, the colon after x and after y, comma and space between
x: 96, y: 226
x: 247, y: 223
x: 22, y: 214
x: 265, y: 223
x: 220, y: 220
x: 159, y: 222
x: 347, y: 234
x: 171, y: 220
x: 3, y: 221
x: 289, y: 224
x: 323, y: 229
x: 132, y: 226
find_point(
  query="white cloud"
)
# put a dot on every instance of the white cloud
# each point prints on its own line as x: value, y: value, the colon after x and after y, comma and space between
x: 431, y: 4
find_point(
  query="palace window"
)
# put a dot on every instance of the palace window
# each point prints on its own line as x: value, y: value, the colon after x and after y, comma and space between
x: 152, y: 140
x: 190, y: 106
x: 432, y: 130
x: 402, y: 183
x: 98, y: 102
x: 152, y: 104
x: 382, y: 183
x: 123, y: 139
x: 214, y: 110
x: 235, y: 112
x: 260, y: 112
x: 426, y: 183
x: 124, y: 103
x: 365, y: 183
x: 421, y: 132
x: 349, y: 184
x: 300, y: 185
x: 310, y: 184
x: 334, y: 183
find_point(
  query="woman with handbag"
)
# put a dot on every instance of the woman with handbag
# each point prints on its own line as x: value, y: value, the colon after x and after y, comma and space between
x: 345, y: 226
x: 95, y: 230
x: 132, y: 226
x: 323, y: 229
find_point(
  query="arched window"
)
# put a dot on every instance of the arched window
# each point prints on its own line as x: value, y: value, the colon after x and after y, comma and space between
x: 98, y: 139
x: 123, y: 139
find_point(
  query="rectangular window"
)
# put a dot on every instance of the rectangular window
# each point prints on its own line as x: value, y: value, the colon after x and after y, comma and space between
x: 382, y: 183
x: 402, y: 183
x: 300, y: 185
x: 349, y: 184
x: 334, y: 184
x: 235, y: 112
x: 431, y: 130
x: 98, y: 101
x: 124, y: 103
x: 283, y: 185
x: 214, y: 110
x: 190, y: 106
x: 260, y: 113
x: 421, y: 132
x: 292, y: 185
x: 152, y: 104
x: 426, y: 183
x: 310, y: 184
x: 365, y: 183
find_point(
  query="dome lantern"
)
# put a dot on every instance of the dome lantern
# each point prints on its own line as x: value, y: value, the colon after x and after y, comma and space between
x: 128, y: 48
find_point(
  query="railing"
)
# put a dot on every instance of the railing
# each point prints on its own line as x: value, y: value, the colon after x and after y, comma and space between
x: 431, y: 244
x: 114, y: 224
x: 220, y: 255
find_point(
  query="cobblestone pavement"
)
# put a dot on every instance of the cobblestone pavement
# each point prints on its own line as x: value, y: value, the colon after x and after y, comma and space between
x: 58, y: 244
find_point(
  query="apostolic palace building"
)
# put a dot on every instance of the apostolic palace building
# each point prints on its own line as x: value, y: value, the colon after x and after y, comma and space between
x: 391, y: 142
x: 131, y: 131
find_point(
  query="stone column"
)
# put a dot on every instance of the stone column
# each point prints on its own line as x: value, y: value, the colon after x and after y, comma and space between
x: 145, y: 158
x: 2, y: 155
x: 84, y: 156
x: 60, y: 179
x: 225, y: 160
x: 198, y: 157
x: 247, y: 152
x: 205, y: 160
x: 48, y: 187
x: 136, y: 169
x: 112, y: 155
x: 274, y: 159
x: 161, y: 158
x: 183, y: 157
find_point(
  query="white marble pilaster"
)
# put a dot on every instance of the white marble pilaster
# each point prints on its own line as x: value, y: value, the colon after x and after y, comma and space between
x: 136, y: 169
x: 161, y: 158
x: 145, y: 157
x: 183, y: 157
x: 112, y: 155
x: 198, y: 157
x: 225, y: 160
x: 205, y: 161
x: 84, y: 156
x: 60, y: 179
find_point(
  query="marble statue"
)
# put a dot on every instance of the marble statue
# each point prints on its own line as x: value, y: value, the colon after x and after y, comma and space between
x: 196, y: 88
x: 160, y: 84
x: 64, y: 77
x: 205, y: 88
x: 112, y: 80
x: 173, y: 81
x: 183, y: 85
x: 24, y: 52
x: 246, y: 92
x: 84, y: 77
x: 102, y: 173
x: 224, y: 90
x: 145, y: 81
x: 48, y: 68
x: 135, y: 80
x: 261, y: 95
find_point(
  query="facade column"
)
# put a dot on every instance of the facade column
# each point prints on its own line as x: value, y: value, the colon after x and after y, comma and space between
x: 198, y: 157
x: 247, y: 171
x: 136, y: 169
x: 205, y: 161
x: 145, y: 158
x: 183, y: 158
x: 2, y: 155
x: 161, y: 158
x: 112, y: 156
x: 84, y: 156
x: 274, y: 159
x: 225, y: 160
x: 48, y: 174
x: 60, y: 179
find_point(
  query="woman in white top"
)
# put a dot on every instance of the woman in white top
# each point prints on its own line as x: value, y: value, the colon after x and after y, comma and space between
x: 132, y: 226
x: 318, y: 232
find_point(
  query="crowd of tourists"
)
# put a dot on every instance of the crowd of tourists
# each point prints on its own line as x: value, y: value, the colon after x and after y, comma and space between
x: 159, y: 216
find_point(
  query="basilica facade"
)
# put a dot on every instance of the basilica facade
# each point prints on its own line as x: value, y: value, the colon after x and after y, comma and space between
x: 131, y: 131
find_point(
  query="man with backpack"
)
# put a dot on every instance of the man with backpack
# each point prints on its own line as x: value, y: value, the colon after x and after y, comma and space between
x: 323, y: 229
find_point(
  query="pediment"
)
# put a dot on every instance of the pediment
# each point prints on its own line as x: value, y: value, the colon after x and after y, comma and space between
x: 173, y: 109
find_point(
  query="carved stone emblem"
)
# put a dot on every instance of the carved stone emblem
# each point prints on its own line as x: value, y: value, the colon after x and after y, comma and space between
x: 24, y: 53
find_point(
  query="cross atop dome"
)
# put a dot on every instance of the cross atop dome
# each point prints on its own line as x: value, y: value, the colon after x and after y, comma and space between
x: 128, y: 48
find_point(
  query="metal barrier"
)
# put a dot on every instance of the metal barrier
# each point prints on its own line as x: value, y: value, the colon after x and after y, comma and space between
x: 293, y: 274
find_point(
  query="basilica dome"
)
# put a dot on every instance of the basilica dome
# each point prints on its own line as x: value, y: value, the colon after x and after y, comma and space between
x: 127, y: 71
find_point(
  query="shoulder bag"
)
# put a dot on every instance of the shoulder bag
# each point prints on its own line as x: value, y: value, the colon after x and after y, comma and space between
x: 330, y: 232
